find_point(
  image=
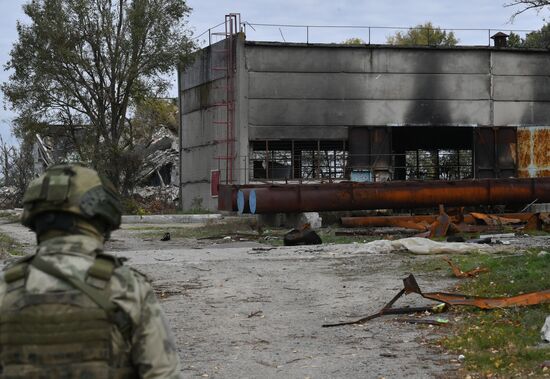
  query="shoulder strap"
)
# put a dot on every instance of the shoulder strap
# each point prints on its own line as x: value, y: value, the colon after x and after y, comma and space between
x: 18, y: 270
x: 103, y: 267
x: 100, y: 297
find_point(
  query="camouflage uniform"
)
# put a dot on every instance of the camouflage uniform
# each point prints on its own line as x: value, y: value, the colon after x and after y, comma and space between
x: 51, y: 329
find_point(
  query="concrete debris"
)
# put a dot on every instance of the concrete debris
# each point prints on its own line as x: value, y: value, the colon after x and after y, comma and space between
x: 422, y: 246
x: 44, y: 151
x: 168, y: 192
x: 312, y: 218
x: 545, y: 331
x: 542, y: 253
x: 159, y: 154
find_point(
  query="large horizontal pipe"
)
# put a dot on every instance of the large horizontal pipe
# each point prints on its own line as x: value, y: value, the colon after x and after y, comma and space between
x: 349, y: 196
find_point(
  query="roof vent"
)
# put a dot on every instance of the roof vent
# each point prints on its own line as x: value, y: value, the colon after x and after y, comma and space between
x: 501, y: 39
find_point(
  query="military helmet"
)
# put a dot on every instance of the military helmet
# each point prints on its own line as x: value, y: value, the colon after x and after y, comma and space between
x: 72, y: 189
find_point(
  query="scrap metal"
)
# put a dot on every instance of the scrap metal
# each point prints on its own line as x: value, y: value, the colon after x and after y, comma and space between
x: 410, y: 285
x: 465, y: 274
x: 420, y: 220
x: 389, y: 310
x: 532, y: 298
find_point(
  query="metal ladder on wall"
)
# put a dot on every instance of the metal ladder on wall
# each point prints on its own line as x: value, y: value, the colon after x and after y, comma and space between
x: 226, y: 53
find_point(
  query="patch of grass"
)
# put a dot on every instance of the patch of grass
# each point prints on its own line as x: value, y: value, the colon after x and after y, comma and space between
x: 329, y: 236
x: 502, y: 342
x: 10, y: 246
x: 214, y: 230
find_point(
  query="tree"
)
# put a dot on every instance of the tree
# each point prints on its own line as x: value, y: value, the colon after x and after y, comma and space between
x: 82, y: 64
x: 424, y: 34
x: 539, y: 39
x: 151, y: 114
x: 514, y: 40
x: 354, y: 41
x: 526, y: 5
x: 17, y: 170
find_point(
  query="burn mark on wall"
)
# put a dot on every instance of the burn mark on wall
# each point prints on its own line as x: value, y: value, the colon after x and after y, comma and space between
x: 422, y: 110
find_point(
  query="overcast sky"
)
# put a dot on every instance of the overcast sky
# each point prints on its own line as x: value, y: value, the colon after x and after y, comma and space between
x: 465, y: 14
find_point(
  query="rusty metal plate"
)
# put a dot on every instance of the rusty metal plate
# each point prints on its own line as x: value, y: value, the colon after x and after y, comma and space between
x: 533, y: 152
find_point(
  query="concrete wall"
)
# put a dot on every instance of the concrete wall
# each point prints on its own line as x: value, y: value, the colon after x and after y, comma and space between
x: 297, y: 91
x: 202, y: 87
x: 326, y: 89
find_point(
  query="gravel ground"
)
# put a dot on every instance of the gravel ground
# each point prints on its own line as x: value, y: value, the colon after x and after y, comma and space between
x: 244, y: 310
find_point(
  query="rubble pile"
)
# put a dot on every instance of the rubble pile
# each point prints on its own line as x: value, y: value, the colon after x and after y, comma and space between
x: 9, y: 197
x: 152, y: 200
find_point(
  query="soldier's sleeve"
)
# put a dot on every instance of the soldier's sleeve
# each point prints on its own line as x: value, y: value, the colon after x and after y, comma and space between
x: 154, y: 349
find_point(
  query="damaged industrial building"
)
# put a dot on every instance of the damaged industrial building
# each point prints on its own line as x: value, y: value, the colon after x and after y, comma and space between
x: 280, y: 116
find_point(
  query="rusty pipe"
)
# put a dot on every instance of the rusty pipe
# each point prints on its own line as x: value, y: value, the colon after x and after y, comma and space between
x: 381, y: 221
x: 397, y: 194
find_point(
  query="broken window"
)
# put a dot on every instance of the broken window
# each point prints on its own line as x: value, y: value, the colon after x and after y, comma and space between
x: 445, y: 164
x: 291, y: 159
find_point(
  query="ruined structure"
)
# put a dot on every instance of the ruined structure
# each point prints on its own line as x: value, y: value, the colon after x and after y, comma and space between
x: 253, y: 112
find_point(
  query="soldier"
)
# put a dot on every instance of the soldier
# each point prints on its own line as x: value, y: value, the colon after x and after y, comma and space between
x: 69, y: 310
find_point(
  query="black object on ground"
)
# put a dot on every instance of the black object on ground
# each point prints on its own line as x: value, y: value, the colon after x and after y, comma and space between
x: 301, y: 237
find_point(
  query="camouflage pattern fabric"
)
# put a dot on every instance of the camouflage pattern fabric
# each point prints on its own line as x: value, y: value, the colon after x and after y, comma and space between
x: 152, y: 348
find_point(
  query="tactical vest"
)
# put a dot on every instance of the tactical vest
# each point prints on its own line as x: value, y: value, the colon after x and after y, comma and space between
x: 63, y: 334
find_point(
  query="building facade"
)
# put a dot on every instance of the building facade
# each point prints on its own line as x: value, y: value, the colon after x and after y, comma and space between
x: 256, y: 111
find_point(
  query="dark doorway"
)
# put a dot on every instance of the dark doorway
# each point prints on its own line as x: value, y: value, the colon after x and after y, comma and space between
x: 432, y: 153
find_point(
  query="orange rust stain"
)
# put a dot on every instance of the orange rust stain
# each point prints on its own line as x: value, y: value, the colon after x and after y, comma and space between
x: 543, y: 173
x: 541, y: 148
x: 524, y: 151
x: 523, y: 173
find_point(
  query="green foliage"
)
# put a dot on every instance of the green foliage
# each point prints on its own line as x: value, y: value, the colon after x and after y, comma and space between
x: 423, y: 35
x: 514, y: 40
x: 503, y: 341
x: 539, y: 39
x: 150, y: 114
x: 131, y: 206
x: 79, y: 65
x: 354, y: 41
x: 10, y: 246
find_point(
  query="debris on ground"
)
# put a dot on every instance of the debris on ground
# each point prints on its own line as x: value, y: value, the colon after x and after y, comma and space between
x: 412, y: 320
x: 532, y: 298
x: 545, y: 331
x: 444, y: 224
x: 410, y: 285
x: 422, y: 246
x: 166, y: 237
x: 389, y: 310
x: 303, y: 236
x: 461, y: 274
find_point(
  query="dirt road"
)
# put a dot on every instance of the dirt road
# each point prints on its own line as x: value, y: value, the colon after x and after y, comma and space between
x: 249, y: 311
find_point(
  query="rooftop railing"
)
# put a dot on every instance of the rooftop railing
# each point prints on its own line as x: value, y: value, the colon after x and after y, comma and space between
x: 368, y: 35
